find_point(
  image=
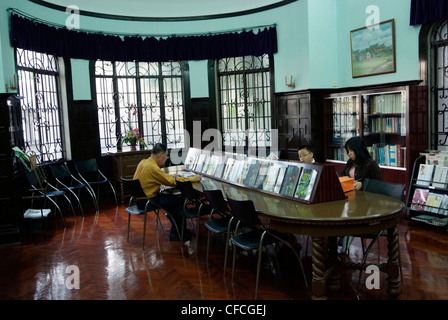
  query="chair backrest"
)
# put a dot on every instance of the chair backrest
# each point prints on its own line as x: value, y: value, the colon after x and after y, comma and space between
x: 133, y: 187
x: 244, y: 210
x: 86, y: 166
x: 216, y: 200
x: 395, y: 190
x: 187, y: 190
x: 60, y: 170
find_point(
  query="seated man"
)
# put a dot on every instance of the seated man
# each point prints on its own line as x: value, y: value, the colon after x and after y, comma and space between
x: 151, y: 177
x: 306, y: 154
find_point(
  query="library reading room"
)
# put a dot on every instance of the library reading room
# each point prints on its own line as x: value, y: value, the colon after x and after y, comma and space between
x: 231, y: 157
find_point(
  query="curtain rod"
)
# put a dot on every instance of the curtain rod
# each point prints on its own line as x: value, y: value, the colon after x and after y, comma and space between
x: 52, y: 24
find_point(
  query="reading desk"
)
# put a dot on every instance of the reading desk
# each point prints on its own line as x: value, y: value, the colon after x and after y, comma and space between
x: 361, y: 213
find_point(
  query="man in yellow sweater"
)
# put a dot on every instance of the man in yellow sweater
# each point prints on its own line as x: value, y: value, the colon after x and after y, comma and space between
x: 151, y: 177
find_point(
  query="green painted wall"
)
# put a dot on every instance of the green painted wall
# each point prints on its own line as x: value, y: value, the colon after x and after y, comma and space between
x: 313, y: 41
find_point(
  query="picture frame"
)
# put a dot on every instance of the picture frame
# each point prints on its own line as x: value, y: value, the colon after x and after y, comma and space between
x: 373, y: 49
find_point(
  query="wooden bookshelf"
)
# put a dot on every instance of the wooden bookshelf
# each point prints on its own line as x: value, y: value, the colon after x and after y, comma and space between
x: 393, y: 121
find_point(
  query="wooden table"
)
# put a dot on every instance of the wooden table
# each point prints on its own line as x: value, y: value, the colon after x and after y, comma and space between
x: 361, y: 213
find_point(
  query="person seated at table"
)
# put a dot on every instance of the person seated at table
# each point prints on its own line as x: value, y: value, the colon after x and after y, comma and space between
x: 152, y: 177
x: 306, y: 154
x: 360, y: 164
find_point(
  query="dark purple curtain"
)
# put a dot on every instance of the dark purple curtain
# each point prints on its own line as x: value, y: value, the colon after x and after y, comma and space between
x: 426, y: 11
x: 62, y: 42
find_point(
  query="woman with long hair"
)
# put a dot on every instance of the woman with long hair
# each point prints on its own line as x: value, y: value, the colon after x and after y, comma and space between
x: 360, y: 164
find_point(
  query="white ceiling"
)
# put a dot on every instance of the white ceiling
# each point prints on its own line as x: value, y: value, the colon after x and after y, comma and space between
x: 165, y: 8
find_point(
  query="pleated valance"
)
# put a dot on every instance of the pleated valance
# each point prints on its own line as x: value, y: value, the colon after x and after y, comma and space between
x: 427, y: 11
x: 62, y: 42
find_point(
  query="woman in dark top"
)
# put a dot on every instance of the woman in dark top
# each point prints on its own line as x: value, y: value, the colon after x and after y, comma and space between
x: 360, y: 165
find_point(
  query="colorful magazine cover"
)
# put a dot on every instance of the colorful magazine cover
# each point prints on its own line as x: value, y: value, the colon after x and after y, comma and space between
x: 290, y: 180
x: 306, y: 184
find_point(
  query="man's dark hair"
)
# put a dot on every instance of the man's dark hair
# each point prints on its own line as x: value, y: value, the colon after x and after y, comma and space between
x: 307, y: 147
x: 158, y: 148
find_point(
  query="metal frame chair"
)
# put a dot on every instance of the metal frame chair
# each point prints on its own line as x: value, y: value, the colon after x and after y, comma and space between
x: 193, y: 204
x: 221, y: 224
x: 41, y: 189
x: 69, y: 182
x: 257, y: 237
x: 134, y: 188
x: 90, y: 173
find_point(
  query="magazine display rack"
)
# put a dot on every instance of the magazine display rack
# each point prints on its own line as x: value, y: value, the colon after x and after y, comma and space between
x: 428, y: 190
x: 307, y: 183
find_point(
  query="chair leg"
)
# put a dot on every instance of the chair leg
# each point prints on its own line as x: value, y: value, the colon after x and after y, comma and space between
x: 208, y: 246
x: 260, y: 253
x: 158, y: 221
x: 144, y: 230
x: 227, y: 243
x: 233, y: 260
x: 129, y: 224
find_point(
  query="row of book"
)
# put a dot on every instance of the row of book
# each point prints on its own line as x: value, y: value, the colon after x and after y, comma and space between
x: 430, y: 175
x: 386, y: 125
x: 387, y: 155
x: 385, y: 103
x: 425, y: 200
x: 288, y: 180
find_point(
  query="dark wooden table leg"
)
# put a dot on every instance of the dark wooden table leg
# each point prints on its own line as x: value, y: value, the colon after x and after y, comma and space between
x: 393, y: 268
x: 334, y: 279
x: 318, y: 282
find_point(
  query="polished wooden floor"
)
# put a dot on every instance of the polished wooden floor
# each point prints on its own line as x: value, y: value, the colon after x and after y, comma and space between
x: 110, y: 267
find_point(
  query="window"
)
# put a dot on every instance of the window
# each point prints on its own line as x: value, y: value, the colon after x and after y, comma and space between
x: 439, y: 85
x: 245, y: 101
x: 143, y: 95
x: 38, y: 82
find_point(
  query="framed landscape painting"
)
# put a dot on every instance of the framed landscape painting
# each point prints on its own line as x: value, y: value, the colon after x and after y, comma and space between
x: 373, y: 49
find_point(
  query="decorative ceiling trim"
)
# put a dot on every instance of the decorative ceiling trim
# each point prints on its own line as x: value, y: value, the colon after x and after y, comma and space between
x: 166, y: 19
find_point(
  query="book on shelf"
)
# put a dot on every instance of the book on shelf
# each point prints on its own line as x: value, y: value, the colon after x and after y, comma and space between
x: 243, y: 172
x: 271, y: 177
x: 212, y: 165
x: 252, y: 173
x: 290, y: 180
x: 220, y: 166
x: 191, y: 162
x: 280, y: 177
x: 262, y: 173
x: 200, y: 162
x: 444, y: 206
x: 206, y: 164
x: 439, y: 180
x: 433, y: 202
x: 425, y: 173
x: 306, y: 184
x: 436, y: 157
x: 228, y: 168
x: 419, y: 199
x: 236, y: 170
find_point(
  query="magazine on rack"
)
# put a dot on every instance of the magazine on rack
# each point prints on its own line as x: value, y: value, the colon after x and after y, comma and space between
x: 306, y: 184
x: 290, y: 180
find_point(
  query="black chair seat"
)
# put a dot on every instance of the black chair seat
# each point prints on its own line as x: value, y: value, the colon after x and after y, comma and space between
x: 134, y: 210
x: 251, y: 240
x: 220, y: 225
